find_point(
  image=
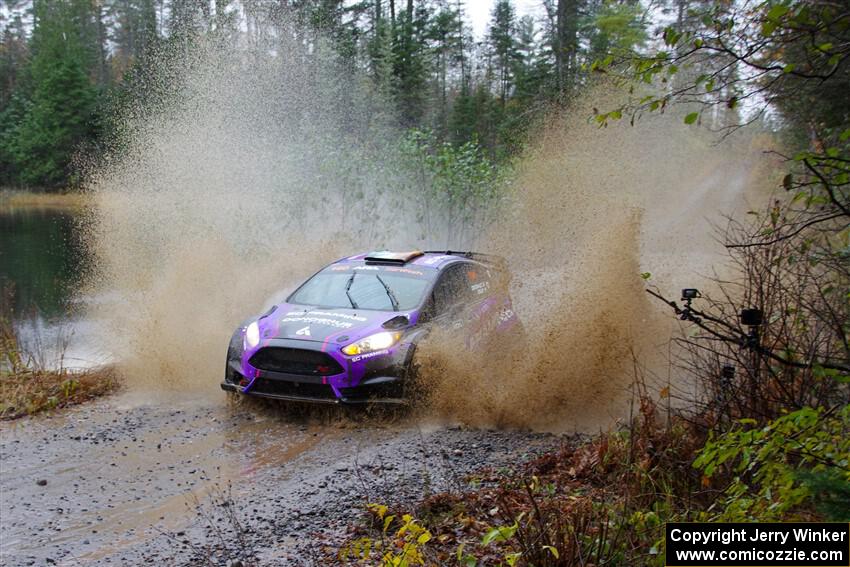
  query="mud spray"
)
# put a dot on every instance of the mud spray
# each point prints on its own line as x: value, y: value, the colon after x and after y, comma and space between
x: 594, y: 212
x: 251, y: 171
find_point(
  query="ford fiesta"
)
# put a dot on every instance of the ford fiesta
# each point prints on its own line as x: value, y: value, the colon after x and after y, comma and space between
x: 349, y: 333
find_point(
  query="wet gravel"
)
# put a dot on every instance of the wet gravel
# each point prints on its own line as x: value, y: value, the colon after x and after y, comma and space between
x: 119, y: 482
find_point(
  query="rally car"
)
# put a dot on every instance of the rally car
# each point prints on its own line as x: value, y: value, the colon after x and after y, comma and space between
x: 349, y: 333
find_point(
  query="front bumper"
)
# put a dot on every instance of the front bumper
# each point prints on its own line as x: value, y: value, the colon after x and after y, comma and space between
x: 378, y: 379
x: 354, y: 398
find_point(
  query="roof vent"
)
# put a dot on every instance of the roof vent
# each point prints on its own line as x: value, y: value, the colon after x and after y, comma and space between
x: 393, y: 258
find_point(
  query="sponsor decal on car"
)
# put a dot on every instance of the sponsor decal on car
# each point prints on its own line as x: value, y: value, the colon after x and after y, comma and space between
x: 404, y: 271
x: 435, y: 260
x: 486, y: 323
x: 319, y: 321
x: 366, y: 268
x: 480, y: 288
x: 506, y: 315
x: 360, y: 357
x: 338, y: 315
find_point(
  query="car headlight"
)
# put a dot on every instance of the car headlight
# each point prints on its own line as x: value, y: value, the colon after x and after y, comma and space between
x: 378, y: 341
x: 252, y: 335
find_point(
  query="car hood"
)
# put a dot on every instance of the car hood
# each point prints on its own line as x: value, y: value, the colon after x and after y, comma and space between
x: 307, y: 323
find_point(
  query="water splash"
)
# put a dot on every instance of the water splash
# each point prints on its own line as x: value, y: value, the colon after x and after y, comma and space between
x: 242, y: 178
x: 247, y: 175
x: 595, y: 211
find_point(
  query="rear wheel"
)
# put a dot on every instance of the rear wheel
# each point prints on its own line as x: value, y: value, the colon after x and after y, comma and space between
x: 507, y: 350
x: 519, y: 337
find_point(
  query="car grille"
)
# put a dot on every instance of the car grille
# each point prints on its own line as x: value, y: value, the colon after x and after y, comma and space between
x: 284, y: 388
x: 295, y: 361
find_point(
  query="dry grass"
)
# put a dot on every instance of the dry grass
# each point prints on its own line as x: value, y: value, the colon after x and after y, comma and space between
x: 28, y: 387
x: 27, y: 392
x: 11, y: 200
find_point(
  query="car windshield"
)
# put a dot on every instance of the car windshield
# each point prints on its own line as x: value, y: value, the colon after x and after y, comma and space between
x: 370, y: 287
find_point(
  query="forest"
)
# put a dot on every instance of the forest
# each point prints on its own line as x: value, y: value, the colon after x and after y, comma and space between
x: 65, y: 66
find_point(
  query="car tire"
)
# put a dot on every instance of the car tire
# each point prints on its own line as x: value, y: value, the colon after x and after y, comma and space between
x: 520, y: 337
x: 412, y: 389
x: 507, y: 351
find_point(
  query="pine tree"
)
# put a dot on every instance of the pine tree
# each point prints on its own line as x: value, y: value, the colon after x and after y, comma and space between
x: 14, y: 55
x: 562, y: 40
x: 613, y: 28
x: 409, y: 63
x: 445, y: 31
x: 502, y: 43
x: 134, y: 29
x: 527, y: 76
x: 59, y: 114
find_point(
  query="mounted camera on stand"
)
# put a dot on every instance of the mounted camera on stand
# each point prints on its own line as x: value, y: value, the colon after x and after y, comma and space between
x: 752, y: 318
x: 688, y: 295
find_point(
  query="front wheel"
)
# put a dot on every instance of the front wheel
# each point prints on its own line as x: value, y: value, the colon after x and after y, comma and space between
x: 413, y: 388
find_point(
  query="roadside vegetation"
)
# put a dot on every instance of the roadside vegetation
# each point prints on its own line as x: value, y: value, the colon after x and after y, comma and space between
x: 30, y: 384
x: 604, y: 500
x: 29, y: 392
x: 12, y: 199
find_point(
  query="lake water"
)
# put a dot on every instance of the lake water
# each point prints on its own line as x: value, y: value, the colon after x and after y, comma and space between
x: 40, y: 261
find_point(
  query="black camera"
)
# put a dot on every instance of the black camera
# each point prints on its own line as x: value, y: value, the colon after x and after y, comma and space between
x: 751, y: 317
x: 690, y: 293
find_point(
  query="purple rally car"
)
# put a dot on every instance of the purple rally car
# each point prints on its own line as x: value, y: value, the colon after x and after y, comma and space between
x: 349, y: 333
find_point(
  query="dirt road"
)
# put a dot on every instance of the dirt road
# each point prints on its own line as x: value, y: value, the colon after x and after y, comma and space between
x: 122, y: 482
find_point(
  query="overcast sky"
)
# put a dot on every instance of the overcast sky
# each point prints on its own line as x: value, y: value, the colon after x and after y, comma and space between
x: 478, y: 12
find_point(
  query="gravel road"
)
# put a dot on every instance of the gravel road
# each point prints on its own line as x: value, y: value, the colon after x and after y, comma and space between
x: 124, y: 482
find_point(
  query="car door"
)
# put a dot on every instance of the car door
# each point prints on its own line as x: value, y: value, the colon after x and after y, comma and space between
x: 481, y: 305
x: 466, y: 300
x: 444, y: 308
x: 458, y: 295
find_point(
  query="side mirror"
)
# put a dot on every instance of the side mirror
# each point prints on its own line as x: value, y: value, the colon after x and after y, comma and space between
x: 397, y: 323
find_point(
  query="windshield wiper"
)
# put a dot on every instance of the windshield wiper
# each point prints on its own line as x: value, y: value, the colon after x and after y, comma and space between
x: 390, y: 293
x: 348, y: 287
